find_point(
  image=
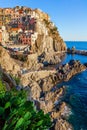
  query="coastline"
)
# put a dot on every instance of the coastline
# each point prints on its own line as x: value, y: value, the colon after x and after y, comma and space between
x: 42, y: 87
x: 34, y: 58
x: 48, y: 96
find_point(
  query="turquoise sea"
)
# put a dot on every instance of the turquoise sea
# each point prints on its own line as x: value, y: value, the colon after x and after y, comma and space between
x: 76, y: 90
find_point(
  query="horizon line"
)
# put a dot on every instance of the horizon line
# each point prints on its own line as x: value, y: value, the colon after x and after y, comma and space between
x: 75, y: 40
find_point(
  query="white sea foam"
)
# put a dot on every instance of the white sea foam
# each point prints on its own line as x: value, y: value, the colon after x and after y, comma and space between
x: 67, y: 112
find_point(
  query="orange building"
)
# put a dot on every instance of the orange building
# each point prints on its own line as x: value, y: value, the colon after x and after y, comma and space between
x: 8, y: 11
x: 1, y: 23
x: 15, y: 29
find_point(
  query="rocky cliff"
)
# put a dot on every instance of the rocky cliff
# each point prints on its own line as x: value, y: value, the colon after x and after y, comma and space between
x: 48, y: 96
x: 7, y: 62
x: 33, y: 27
x: 48, y: 39
x: 7, y: 80
x: 32, y: 62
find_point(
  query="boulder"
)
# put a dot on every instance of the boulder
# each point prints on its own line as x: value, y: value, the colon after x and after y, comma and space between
x: 61, y: 110
x: 35, y: 90
x: 50, y: 58
x: 7, y: 78
x: 46, y: 106
x: 49, y: 100
x: 62, y: 125
x: 32, y: 62
x: 32, y: 76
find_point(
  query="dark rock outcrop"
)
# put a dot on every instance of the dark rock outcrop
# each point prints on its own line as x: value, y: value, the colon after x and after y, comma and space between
x: 85, y: 64
x: 8, y: 81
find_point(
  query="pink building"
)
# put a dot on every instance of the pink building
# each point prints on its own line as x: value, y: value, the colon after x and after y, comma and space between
x: 20, y: 25
x: 25, y: 39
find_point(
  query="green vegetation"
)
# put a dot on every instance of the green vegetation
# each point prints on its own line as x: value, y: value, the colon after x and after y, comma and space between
x: 55, y: 28
x: 47, y: 23
x: 16, y: 113
x: 17, y: 79
x: 2, y: 88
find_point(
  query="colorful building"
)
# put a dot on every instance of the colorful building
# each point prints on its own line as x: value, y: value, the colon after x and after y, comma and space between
x: 25, y: 38
x: 18, y: 25
x: 8, y: 11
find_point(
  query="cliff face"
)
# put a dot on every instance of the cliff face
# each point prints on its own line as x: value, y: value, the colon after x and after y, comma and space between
x: 32, y: 62
x: 43, y: 44
x: 7, y: 62
x: 48, y: 39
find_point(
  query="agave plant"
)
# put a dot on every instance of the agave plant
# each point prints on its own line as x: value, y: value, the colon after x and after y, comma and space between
x: 16, y: 113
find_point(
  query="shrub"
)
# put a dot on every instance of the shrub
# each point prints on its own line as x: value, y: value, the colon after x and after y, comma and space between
x: 17, y: 79
x: 16, y: 113
x: 2, y: 87
x: 55, y: 28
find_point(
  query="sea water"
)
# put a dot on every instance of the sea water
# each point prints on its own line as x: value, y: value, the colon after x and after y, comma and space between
x: 76, y: 90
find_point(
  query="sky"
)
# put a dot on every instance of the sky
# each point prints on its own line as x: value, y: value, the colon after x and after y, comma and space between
x: 70, y: 16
